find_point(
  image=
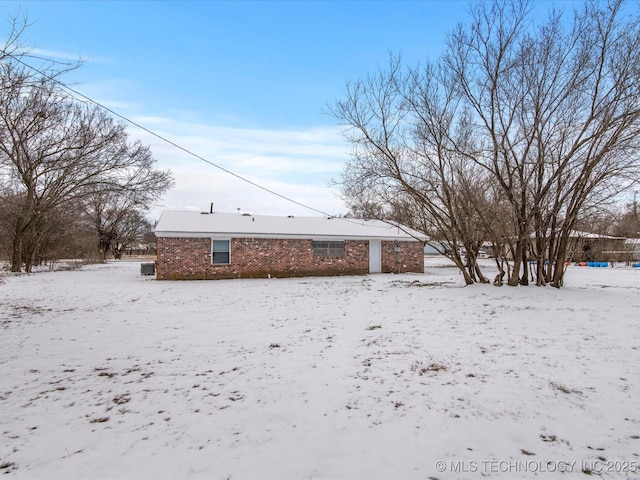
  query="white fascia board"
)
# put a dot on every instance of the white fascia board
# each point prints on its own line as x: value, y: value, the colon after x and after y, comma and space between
x: 183, y: 235
x: 226, y: 235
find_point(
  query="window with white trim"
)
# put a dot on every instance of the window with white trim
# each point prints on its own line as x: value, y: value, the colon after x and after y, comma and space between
x: 220, y: 252
x: 323, y: 248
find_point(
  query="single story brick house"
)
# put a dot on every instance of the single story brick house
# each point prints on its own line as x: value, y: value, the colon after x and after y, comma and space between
x: 199, y: 246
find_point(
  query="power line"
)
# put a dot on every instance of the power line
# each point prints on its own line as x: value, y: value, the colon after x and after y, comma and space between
x: 189, y: 152
x: 164, y: 139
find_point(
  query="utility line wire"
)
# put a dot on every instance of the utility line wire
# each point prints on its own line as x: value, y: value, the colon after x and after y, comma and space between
x: 164, y: 139
x: 189, y: 152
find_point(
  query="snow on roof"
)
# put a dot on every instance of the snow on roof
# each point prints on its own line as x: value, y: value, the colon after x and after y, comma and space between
x: 580, y: 234
x: 194, y: 224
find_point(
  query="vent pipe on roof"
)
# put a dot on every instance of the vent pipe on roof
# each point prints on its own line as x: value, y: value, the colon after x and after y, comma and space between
x: 211, y: 208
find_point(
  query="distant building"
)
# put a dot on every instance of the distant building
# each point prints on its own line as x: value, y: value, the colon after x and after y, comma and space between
x: 587, y: 247
x: 632, y: 249
x: 198, y: 246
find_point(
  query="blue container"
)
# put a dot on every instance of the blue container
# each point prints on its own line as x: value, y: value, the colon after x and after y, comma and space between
x: 636, y: 265
x: 604, y: 264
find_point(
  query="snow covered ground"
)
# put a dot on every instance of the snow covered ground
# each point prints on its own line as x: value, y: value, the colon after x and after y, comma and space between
x: 105, y: 373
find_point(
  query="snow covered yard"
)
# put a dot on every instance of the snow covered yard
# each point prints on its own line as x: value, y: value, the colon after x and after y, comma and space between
x: 108, y: 374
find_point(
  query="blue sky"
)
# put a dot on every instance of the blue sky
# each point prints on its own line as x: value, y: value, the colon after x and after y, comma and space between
x: 243, y: 84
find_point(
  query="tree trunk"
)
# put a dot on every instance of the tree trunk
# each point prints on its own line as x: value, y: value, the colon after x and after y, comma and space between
x: 29, y: 259
x: 16, y: 257
x: 514, y: 277
x: 468, y: 279
x: 558, y: 269
x: 117, y: 252
x: 540, y: 280
x: 499, y: 280
x: 524, y: 280
x: 474, y: 269
x: 104, y: 244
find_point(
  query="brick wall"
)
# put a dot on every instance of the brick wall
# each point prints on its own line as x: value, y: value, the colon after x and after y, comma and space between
x: 190, y: 259
x: 402, y: 257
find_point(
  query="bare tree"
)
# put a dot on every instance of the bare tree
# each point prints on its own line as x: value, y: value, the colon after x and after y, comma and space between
x: 401, y: 124
x: 627, y: 223
x: 559, y: 113
x: 55, y: 150
x: 118, y: 217
x: 12, y: 47
x: 14, y: 53
x: 132, y: 234
x: 540, y: 121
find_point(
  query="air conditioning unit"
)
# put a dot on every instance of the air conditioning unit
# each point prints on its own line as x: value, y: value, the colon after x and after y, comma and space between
x: 147, y: 269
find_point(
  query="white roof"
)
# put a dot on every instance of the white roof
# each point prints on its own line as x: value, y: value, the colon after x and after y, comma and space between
x: 579, y: 234
x: 195, y: 224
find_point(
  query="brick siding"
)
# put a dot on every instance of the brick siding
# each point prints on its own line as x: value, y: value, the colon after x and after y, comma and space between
x: 402, y: 257
x: 190, y: 259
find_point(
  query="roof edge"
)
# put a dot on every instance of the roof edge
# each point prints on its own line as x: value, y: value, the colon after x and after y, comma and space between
x: 161, y: 234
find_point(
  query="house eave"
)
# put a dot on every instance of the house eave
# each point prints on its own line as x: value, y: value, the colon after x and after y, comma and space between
x: 222, y: 235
